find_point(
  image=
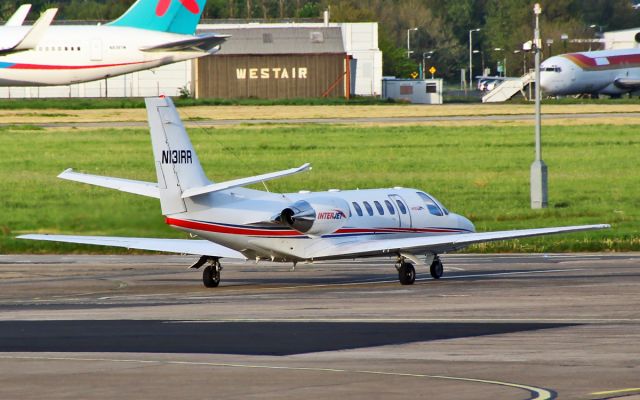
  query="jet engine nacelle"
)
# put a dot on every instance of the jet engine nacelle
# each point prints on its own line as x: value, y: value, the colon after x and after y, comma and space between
x: 316, y: 216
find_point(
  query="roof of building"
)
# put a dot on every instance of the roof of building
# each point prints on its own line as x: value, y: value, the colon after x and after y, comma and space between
x: 279, y: 40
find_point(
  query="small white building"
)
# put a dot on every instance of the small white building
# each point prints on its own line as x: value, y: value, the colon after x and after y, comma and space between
x: 417, y: 91
x: 360, y: 40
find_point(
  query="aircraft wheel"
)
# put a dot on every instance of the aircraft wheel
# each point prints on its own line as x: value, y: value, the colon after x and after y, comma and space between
x: 436, y: 269
x: 211, y: 276
x: 406, y: 273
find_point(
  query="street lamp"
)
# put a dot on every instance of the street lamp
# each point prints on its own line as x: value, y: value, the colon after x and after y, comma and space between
x: 524, y: 60
x: 481, y: 58
x: 426, y: 55
x: 471, y: 55
x: 504, y: 60
x: 564, y: 37
x: 409, y: 42
x: 538, y: 167
x: 549, y: 44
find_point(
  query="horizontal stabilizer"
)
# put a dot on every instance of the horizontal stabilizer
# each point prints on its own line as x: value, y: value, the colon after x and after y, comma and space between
x: 199, y: 43
x: 216, y: 187
x: 124, y: 185
x: 19, y: 16
x: 181, y: 246
x: 436, y: 244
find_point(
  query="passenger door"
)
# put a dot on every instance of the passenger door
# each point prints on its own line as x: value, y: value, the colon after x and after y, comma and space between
x: 404, y: 216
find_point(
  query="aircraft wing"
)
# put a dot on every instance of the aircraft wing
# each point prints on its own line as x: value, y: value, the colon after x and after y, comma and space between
x: 31, y: 38
x: 19, y: 16
x: 124, y: 185
x: 200, y: 43
x: 181, y: 246
x: 435, y: 244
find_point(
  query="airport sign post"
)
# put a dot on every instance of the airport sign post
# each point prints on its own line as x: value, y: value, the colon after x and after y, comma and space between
x: 538, y: 168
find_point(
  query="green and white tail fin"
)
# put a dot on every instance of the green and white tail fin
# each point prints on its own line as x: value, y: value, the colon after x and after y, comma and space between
x: 174, y: 16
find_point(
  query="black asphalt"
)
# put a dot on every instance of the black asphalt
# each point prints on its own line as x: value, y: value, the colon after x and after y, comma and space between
x: 246, y: 338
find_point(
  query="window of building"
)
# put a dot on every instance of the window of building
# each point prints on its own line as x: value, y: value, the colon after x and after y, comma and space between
x: 356, y: 207
x: 392, y: 211
x: 406, y: 89
x: 432, y: 88
x: 368, y: 207
x: 267, y: 38
x: 379, y: 207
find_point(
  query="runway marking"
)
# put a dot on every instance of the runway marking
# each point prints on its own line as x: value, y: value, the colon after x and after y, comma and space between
x: 486, y: 320
x: 535, y: 392
x: 616, y: 391
x: 370, y: 281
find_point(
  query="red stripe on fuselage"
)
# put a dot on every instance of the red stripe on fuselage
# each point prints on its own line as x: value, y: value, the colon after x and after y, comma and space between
x: 250, y: 231
x: 50, y: 67
x: 614, y: 61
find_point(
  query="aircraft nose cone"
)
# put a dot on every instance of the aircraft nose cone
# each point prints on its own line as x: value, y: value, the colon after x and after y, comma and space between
x: 464, y: 223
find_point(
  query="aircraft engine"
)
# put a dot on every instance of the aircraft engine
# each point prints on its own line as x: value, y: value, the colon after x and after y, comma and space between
x: 316, y: 216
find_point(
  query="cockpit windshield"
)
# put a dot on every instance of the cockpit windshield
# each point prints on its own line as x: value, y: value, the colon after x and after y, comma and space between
x: 432, y: 205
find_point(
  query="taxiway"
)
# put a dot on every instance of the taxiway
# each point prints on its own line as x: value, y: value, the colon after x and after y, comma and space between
x: 497, y: 327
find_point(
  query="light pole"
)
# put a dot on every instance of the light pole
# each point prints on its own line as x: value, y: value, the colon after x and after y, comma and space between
x: 538, y: 168
x: 549, y: 47
x: 481, y: 58
x: 564, y: 37
x: 409, y: 41
x: 426, y: 55
x: 471, y: 56
x: 504, y: 60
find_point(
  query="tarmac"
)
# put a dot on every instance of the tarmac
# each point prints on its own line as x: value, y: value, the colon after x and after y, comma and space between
x: 549, y: 326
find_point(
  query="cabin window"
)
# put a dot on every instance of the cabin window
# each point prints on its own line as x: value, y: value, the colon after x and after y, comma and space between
x: 392, y: 211
x: 401, y: 206
x: 368, y: 207
x: 379, y: 207
x: 356, y: 207
x: 431, y: 205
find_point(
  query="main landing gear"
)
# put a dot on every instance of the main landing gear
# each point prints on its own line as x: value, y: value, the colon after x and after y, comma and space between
x: 407, y: 273
x: 211, y: 273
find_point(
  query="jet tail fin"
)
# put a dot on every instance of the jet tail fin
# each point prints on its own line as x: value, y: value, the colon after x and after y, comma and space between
x: 177, y: 164
x: 163, y: 15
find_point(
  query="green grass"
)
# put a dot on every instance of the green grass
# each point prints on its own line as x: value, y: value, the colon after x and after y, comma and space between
x: 84, y: 104
x: 480, y: 172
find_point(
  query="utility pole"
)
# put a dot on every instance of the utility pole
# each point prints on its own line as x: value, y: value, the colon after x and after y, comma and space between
x: 409, y: 41
x: 538, y: 168
x: 471, y: 56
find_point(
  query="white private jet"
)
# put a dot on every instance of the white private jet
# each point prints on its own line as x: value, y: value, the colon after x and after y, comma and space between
x: 237, y: 222
x: 609, y: 72
x: 150, y: 34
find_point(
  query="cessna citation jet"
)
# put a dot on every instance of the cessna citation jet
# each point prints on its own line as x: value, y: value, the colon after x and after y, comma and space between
x: 237, y: 222
x: 150, y: 34
x: 609, y: 72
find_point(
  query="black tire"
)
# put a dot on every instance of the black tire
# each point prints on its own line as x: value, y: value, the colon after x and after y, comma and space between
x: 406, y: 273
x: 211, y: 276
x: 436, y: 269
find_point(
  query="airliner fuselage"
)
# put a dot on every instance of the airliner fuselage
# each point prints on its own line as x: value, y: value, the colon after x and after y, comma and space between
x: 72, y: 54
x: 609, y: 72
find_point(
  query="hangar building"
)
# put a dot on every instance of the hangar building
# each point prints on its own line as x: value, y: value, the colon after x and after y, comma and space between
x: 316, y: 53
